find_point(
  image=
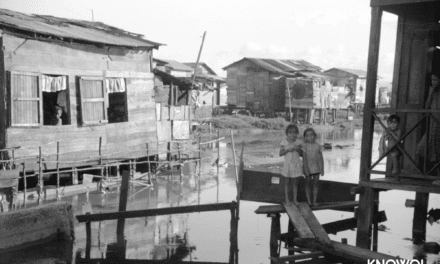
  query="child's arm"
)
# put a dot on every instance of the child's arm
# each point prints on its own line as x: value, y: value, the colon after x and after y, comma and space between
x: 284, y: 151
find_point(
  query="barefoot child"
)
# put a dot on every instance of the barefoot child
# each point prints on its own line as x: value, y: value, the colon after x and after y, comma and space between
x: 387, y: 142
x: 313, y: 165
x: 291, y: 149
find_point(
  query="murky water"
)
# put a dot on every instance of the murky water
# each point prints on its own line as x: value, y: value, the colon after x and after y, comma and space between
x: 205, y: 236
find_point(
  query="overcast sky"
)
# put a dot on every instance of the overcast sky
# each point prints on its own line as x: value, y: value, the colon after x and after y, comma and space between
x: 326, y: 33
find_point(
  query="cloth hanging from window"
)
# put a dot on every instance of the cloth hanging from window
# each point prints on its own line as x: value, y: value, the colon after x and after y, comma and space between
x: 53, y: 84
x: 115, y: 85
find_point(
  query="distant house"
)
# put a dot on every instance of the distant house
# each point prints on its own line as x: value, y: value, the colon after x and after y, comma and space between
x: 355, y: 80
x: 174, y: 68
x: 100, y: 76
x: 260, y: 84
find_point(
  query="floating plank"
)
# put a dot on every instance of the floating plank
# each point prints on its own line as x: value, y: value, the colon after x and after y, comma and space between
x: 314, y: 224
x: 298, y: 221
x: 155, y: 212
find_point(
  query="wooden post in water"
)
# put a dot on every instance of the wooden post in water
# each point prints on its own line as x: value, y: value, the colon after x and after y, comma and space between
x: 149, y: 164
x: 100, y: 159
x: 122, y: 208
x: 200, y: 155
x: 233, y: 238
x: 218, y: 152
x: 275, y: 231
x: 24, y: 183
x: 88, y: 238
x: 375, y: 220
x: 419, y: 218
x: 58, y: 170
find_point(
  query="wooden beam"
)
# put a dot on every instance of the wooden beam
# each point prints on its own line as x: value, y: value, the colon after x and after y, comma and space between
x: 302, y: 228
x: 348, y: 252
x: 274, y: 209
x: 389, y: 185
x: 314, y: 224
x: 419, y: 219
x: 283, y: 259
x: 159, y: 211
x: 365, y: 218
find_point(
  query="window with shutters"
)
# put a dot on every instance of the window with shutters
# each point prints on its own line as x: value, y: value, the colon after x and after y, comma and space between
x: 94, y: 100
x: 38, y: 100
x: 103, y: 100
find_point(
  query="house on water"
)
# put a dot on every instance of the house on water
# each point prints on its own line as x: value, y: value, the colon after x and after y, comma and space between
x: 261, y: 85
x: 416, y: 56
x: 98, y: 77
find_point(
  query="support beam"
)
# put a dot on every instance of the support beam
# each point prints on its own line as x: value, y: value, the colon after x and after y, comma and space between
x: 365, y: 218
x: 419, y: 220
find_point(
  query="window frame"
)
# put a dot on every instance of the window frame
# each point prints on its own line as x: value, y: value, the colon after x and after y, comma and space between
x: 83, y: 100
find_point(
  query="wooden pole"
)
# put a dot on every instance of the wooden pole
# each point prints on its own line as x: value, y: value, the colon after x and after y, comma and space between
x: 290, y: 101
x: 100, y: 158
x: 122, y: 207
x: 419, y: 218
x: 149, y: 165
x: 88, y: 237
x: 40, y: 175
x: 235, y: 161
x: 24, y: 182
x: 275, y: 232
x: 58, y: 170
x: 366, y: 198
x: 200, y: 156
x: 218, y: 153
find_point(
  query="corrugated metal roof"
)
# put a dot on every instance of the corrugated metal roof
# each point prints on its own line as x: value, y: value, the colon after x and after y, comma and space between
x: 359, y: 73
x: 88, y: 31
x: 175, y: 65
x: 193, y: 65
x: 281, y: 66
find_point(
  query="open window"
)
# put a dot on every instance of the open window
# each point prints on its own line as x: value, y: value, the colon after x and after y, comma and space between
x: 117, y: 100
x: 38, y: 99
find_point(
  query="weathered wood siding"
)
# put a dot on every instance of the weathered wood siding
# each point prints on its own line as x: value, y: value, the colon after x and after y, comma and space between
x: 253, y: 87
x: 410, y: 84
x: 75, y: 60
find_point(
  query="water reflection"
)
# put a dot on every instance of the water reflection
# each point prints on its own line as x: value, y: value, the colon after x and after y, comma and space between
x: 205, y: 236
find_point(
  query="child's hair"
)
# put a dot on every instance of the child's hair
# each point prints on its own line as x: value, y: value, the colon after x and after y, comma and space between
x: 394, y: 117
x: 292, y: 127
x: 310, y: 129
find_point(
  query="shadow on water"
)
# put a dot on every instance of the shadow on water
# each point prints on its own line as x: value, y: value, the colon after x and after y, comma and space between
x: 205, y: 237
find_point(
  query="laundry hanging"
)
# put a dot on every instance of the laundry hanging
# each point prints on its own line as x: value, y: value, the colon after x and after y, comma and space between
x: 53, y: 84
x: 115, y: 85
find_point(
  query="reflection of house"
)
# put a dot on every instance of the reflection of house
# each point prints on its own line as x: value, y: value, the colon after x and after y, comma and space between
x: 260, y: 84
x: 355, y: 80
x: 99, y: 75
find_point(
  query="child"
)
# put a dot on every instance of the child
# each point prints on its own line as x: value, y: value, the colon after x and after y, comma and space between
x: 313, y: 165
x: 291, y: 149
x: 387, y: 142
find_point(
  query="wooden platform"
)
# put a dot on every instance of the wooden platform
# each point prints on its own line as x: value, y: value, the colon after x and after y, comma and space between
x: 404, y: 184
x: 264, y: 183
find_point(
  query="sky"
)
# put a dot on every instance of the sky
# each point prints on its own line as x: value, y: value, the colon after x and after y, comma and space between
x: 326, y: 33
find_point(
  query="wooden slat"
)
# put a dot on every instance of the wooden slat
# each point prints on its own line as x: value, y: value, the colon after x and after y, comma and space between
x: 314, y: 224
x: 403, y: 184
x: 316, y: 254
x: 300, y: 224
x: 159, y: 211
x: 345, y: 251
x: 273, y: 209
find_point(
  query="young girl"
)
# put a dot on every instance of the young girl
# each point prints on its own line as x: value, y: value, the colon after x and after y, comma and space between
x: 291, y: 149
x: 313, y: 164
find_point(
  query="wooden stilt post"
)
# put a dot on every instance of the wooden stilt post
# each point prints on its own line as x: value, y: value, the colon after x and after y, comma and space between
x: 290, y: 237
x: 100, y: 159
x: 200, y: 155
x: 88, y: 238
x: 275, y: 232
x: 58, y: 170
x: 218, y: 152
x: 365, y: 218
x: 122, y: 208
x: 375, y: 223
x: 419, y: 219
x: 24, y: 183
x: 149, y: 164
x: 366, y: 200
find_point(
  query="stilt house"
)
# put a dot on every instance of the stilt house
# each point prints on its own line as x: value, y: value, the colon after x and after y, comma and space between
x: 98, y: 77
x: 417, y: 55
x: 260, y: 84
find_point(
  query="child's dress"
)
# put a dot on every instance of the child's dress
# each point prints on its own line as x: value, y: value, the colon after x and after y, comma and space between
x: 312, y: 156
x: 293, y: 166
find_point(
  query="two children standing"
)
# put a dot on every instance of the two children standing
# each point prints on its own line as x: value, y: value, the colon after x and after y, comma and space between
x: 311, y: 165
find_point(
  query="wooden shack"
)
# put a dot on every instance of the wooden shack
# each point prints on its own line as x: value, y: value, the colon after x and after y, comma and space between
x: 100, y: 76
x: 418, y: 36
x: 260, y: 84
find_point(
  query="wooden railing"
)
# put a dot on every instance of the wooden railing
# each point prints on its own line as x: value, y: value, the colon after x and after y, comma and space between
x: 426, y: 118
